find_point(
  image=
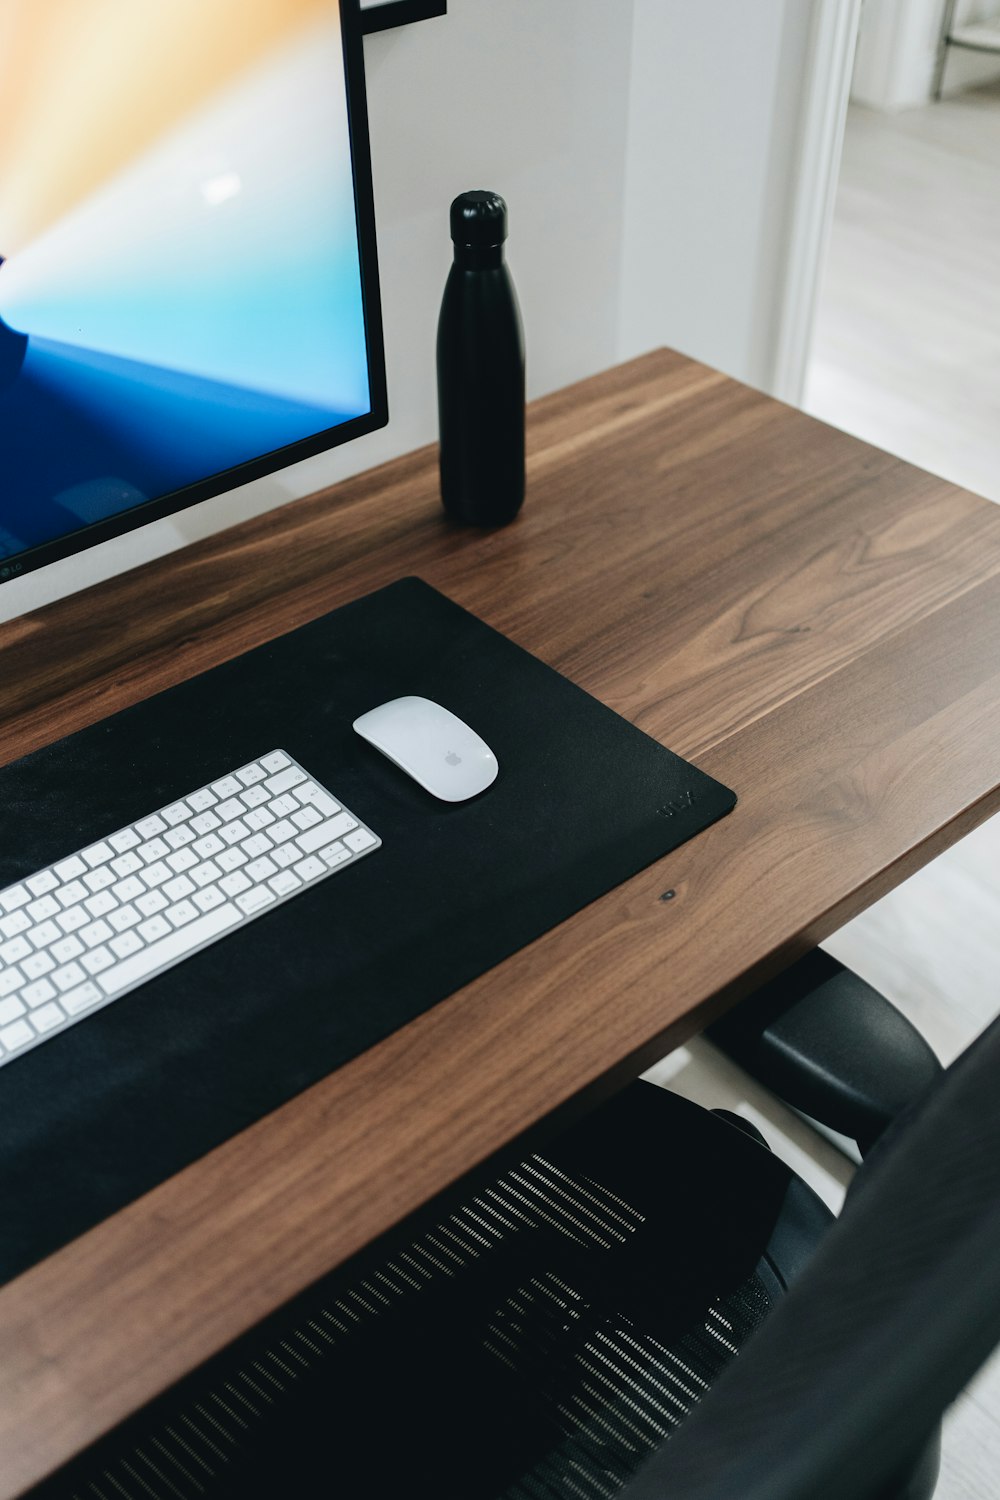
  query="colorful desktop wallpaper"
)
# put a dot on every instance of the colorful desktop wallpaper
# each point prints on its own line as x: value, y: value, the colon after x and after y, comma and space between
x: 180, y: 289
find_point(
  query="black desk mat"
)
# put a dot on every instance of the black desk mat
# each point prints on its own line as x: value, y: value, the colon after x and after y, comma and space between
x: 108, y: 1109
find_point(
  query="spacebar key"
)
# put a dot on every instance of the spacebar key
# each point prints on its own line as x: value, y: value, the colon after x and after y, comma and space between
x: 169, y: 949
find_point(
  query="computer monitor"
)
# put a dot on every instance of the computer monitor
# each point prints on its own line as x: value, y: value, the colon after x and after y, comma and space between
x: 189, y: 295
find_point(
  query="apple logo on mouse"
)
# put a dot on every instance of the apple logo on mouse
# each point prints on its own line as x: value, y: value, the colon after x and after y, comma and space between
x: 453, y: 759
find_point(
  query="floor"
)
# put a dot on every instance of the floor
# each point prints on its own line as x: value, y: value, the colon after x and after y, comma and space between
x: 906, y: 355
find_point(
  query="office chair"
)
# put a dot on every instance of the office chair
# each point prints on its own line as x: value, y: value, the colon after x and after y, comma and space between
x: 830, y: 1045
x: 571, y: 1327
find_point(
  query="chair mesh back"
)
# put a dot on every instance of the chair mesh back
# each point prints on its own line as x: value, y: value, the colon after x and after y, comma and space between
x: 607, y: 1388
x: 614, y: 1391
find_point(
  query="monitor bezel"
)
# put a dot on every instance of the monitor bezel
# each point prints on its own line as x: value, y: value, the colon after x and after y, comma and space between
x: 91, y: 535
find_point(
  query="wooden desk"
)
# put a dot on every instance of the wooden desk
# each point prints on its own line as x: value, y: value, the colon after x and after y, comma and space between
x: 813, y: 622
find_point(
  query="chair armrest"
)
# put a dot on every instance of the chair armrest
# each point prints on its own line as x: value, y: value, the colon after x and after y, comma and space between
x: 831, y: 1046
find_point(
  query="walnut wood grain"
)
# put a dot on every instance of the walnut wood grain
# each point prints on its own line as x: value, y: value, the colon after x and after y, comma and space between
x: 815, y: 622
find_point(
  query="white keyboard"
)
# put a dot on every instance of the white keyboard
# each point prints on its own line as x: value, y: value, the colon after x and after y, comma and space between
x: 82, y: 932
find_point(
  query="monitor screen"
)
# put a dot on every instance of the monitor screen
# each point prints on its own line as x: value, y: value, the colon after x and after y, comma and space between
x: 188, y: 289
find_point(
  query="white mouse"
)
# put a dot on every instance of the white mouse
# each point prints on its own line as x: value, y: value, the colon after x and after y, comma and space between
x: 431, y: 744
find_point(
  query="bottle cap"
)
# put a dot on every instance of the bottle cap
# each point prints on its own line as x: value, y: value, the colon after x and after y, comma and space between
x: 479, y: 219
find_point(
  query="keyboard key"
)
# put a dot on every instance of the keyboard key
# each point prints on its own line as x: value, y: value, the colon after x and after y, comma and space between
x: 200, y: 801
x: 128, y: 889
x: 276, y: 761
x: 182, y: 860
x: 178, y: 837
x: 74, y: 918
x: 284, y: 883
x: 126, y: 839
x: 70, y: 868
x: 72, y: 893
x: 280, y: 832
x: 259, y: 844
x: 209, y: 845
x: 37, y: 965
x: 157, y: 873
x: 10, y: 980
x: 18, y: 947
x: 252, y: 901
x: 305, y: 817
x: 360, y: 839
x: 231, y: 859
x: 283, y: 807
x: 101, y: 878
x: 308, y: 869
x: 67, y: 976
x: 97, y: 932
x: 124, y: 917
x: 261, y: 869
x: 177, y: 812
x: 206, y: 823
x: 82, y: 998
x: 234, y: 832
x: 97, y: 854
x: 39, y: 992
x: 67, y: 948
x: 150, y: 826
x: 46, y: 935
x: 229, y: 809
x: 156, y: 927
x: 209, y: 898
x: 234, y: 883
x: 98, y: 960
x: 151, y: 903
x: 18, y: 921
x: 251, y: 774
x: 181, y: 913
x: 287, y: 855
x: 126, y: 864
x: 227, y: 787
x: 205, y: 873
x: 14, y: 896
x: 101, y: 904
x: 258, y: 817
x: 11, y: 1008
x: 45, y: 906
x: 254, y: 796
x: 126, y: 943
x: 152, y: 850
x: 13, y: 1038
x: 40, y: 884
x: 46, y: 1017
x: 180, y: 886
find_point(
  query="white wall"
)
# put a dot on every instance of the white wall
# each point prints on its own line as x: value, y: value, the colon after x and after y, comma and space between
x: 715, y: 111
x: 648, y: 177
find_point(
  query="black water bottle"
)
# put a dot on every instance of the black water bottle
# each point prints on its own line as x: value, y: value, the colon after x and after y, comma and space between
x: 480, y: 370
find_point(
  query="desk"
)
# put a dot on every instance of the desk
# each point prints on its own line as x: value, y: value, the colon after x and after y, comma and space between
x: 813, y: 622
